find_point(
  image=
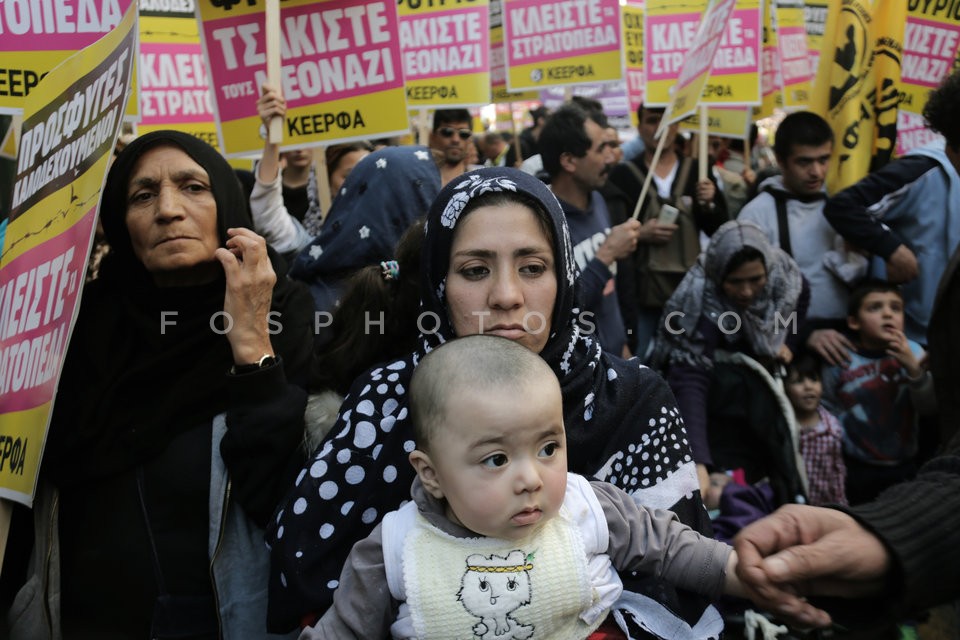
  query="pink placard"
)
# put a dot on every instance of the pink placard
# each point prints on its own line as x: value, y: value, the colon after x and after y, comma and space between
x: 530, y: 24
x: 794, y: 62
x: 699, y: 60
x: 739, y: 44
x: 668, y: 39
x: 458, y: 36
x: 60, y: 25
x: 174, y: 88
x: 929, y: 48
x: 37, y: 298
x: 912, y: 132
x: 323, y: 66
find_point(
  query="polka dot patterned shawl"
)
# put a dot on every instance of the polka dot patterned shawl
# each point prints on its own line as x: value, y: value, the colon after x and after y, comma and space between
x: 621, y: 419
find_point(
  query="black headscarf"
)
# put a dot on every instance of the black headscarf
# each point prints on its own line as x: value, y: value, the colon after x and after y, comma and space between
x: 621, y: 421
x: 130, y: 384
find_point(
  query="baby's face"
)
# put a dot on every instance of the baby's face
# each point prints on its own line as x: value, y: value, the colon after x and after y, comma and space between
x: 804, y: 392
x: 501, y: 458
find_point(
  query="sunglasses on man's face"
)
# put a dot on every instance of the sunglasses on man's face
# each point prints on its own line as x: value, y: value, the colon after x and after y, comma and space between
x: 448, y: 132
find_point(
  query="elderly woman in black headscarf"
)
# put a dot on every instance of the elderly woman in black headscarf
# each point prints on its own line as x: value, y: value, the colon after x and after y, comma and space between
x: 497, y: 259
x: 159, y: 470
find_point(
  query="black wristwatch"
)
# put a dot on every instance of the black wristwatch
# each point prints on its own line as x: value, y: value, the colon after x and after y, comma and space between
x: 265, y: 361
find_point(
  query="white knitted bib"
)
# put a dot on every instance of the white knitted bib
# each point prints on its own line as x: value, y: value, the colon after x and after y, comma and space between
x: 538, y: 587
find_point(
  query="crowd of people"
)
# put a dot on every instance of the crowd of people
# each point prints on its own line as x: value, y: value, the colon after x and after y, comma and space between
x: 503, y: 400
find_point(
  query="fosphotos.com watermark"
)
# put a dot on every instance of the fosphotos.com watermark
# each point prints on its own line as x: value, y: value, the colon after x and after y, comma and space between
x: 429, y: 322
x: 729, y: 323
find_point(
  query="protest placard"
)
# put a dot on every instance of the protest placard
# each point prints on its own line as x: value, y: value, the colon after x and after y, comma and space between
x: 174, y: 88
x: 735, y: 74
x: 815, y: 23
x: 341, y: 70
x: 71, y: 122
x: 669, y: 32
x: 37, y: 35
x: 771, y: 81
x: 794, y: 58
x: 726, y: 122
x: 561, y: 42
x: 931, y: 43
x: 446, y: 53
x: 698, y: 62
x: 498, y: 65
x: 633, y: 12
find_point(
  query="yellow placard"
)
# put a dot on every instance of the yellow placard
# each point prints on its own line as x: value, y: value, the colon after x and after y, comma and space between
x: 699, y: 60
x: 633, y: 13
x: 931, y: 46
x: 669, y: 32
x: 735, y: 73
x: 498, y: 70
x: 795, y: 67
x: 59, y: 177
x: 771, y: 82
x: 726, y: 122
x: 815, y: 21
x: 446, y: 53
x: 36, y: 36
x: 546, y: 43
x: 341, y: 71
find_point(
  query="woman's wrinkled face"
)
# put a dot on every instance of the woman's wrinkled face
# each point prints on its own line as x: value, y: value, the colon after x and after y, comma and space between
x: 502, y: 279
x: 172, y: 218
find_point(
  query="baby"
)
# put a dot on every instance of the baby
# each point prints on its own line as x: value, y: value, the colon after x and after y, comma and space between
x: 500, y: 541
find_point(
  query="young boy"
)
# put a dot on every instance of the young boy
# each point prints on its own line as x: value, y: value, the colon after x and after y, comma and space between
x: 821, y: 437
x: 879, y: 395
x: 500, y: 541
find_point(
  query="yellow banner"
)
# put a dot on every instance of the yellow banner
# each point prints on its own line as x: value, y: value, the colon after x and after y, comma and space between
x: 632, y: 13
x: 858, y: 85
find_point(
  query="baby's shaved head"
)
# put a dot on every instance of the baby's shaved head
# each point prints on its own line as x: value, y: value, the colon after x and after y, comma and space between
x: 472, y: 362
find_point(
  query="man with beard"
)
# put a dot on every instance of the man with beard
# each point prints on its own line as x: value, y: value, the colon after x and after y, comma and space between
x: 449, y: 141
x: 578, y: 156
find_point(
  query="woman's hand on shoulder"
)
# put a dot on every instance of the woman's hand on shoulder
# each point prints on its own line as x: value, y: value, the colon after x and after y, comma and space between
x: 249, y: 293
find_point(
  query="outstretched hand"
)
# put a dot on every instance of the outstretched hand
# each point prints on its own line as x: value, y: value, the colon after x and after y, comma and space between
x: 801, y: 550
x: 250, y: 281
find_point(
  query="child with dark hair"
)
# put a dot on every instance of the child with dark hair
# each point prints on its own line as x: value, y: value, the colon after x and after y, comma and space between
x: 821, y: 437
x: 878, y: 396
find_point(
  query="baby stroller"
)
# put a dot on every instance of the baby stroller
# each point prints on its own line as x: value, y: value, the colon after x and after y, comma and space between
x: 752, y: 431
x: 752, y: 427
